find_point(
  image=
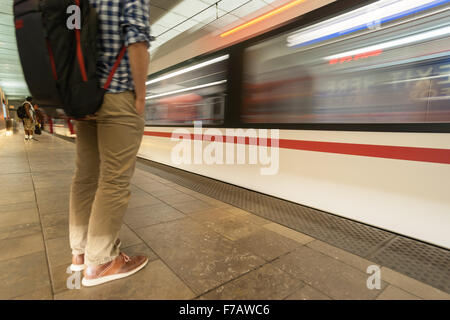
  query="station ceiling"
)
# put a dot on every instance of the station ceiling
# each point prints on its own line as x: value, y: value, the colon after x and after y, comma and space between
x: 169, y: 18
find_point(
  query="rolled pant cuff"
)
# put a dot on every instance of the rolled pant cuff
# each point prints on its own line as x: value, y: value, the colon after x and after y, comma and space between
x: 77, y: 252
x: 94, y: 263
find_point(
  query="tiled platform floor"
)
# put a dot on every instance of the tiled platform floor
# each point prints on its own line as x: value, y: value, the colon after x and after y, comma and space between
x: 198, y: 247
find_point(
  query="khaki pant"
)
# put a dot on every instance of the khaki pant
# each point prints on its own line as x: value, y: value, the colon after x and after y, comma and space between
x: 106, y: 156
x: 28, y: 124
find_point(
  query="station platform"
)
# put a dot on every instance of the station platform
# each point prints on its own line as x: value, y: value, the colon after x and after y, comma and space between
x: 204, y: 240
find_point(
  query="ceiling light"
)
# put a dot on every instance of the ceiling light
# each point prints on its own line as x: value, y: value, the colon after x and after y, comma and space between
x: 262, y: 17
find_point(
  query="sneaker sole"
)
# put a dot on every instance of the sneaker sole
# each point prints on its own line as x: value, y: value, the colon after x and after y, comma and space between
x: 94, y: 282
x: 77, y: 267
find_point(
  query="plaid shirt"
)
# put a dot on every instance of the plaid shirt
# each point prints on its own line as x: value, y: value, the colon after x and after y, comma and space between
x: 120, y: 22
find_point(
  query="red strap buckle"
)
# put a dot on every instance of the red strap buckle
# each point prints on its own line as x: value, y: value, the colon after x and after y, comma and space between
x: 18, y: 24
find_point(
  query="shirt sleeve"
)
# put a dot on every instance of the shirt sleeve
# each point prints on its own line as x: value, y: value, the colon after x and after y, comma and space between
x: 136, y: 21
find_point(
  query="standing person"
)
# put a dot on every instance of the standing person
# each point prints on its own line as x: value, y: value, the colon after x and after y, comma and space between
x: 28, y: 119
x: 107, y: 146
x: 39, y: 115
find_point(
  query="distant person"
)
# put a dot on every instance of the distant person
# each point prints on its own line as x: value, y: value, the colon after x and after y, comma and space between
x: 39, y: 115
x: 26, y: 113
x: 107, y: 146
x: 9, y: 124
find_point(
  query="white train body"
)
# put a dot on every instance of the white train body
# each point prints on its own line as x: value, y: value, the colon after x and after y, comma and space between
x: 407, y: 197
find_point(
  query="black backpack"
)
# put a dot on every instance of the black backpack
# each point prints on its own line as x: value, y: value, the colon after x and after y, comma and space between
x: 60, y: 64
x: 37, y: 129
x: 21, y: 112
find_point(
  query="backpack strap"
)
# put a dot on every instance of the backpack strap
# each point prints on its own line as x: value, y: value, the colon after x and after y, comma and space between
x: 80, y: 56
x: 114, y: 68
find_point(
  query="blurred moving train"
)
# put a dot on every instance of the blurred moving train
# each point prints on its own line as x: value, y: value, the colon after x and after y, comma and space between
x: 360, y: 94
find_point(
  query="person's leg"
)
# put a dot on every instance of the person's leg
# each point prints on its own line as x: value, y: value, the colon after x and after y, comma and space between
x: 119, y: 133
x: 28, y: 126
x: 84, y: 185
x: 25, y: 129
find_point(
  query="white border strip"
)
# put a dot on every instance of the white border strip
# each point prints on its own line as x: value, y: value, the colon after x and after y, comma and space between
x: 369, y: 15
x: 394, y: 43
x: 186, y: 89
x: 192, y: 68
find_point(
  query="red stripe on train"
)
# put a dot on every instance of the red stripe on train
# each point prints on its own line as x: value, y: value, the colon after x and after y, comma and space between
x: 433, y: 155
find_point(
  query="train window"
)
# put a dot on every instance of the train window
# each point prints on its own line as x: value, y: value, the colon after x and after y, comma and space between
x: 396, y: 71
x: 195, y: 92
